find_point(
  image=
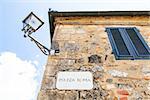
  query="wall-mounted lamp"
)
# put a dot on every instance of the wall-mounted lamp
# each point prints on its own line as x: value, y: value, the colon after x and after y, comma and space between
x: 31, y: 24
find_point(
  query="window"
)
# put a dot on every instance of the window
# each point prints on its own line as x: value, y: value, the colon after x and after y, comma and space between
x: 127, y: 43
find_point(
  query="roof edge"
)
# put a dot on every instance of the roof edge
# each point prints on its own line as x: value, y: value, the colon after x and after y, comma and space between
x: 97, y: 13
x: 52, y: 14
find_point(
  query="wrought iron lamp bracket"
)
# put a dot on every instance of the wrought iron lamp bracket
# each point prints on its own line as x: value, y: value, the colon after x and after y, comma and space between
x: 31, y: 24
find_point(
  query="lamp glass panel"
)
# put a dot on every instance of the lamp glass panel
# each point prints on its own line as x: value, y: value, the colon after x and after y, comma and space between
x: 33, y: 22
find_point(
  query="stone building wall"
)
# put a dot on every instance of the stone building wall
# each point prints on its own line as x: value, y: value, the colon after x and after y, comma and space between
x: 84, y: 46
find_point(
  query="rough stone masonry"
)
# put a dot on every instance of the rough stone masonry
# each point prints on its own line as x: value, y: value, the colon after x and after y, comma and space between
x: 84, y: 46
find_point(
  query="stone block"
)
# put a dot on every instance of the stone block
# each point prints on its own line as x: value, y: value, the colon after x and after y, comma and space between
x: 110, y: 86
x: 81, y: 60
x: 122, y: 92
x: 117, y: 73
x: 71, y: 62
x: 71, y: 95
x: 123, y: 98
x: 53, y: 95
x: 49, y: 83
x: 42, y: 95
x: 103, y: 93
x: 109, y: 80
x: 97, y: 68
x: 51, y: 70
x: 97, y: 75
x: 86, y: 95
x: 136, y: 96
x: 71, y: 47
x: 146, y: 70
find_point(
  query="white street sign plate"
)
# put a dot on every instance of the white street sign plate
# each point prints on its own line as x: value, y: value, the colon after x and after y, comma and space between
x: 74, y: 80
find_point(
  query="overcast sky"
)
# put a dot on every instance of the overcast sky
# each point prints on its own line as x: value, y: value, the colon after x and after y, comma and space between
x: 21, y: 62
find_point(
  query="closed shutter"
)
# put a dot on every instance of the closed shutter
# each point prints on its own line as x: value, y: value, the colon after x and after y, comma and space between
x: 127, y: 43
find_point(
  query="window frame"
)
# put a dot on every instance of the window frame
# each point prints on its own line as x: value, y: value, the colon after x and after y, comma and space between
x: 129, y: 44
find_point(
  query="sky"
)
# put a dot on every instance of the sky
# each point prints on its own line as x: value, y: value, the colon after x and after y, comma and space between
x: 21, y: 62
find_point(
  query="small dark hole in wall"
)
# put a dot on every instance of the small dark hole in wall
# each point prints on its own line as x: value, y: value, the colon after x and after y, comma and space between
x: 94, y: 59
x: 106, y: 57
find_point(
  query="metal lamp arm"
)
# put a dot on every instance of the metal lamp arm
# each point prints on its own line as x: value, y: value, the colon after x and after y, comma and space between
x: 44, y: 49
